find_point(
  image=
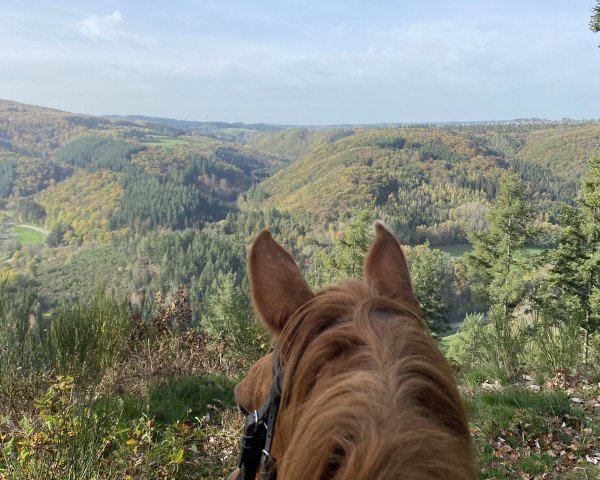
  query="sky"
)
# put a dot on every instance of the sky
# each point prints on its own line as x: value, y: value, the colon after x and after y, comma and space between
x: 304, y: 62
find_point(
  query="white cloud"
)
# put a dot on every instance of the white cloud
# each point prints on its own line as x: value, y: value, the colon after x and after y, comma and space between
x: 222, y: 63
x: 102, y: 27
x: 110, y: 28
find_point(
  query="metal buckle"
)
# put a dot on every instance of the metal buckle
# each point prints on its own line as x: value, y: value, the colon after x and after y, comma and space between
x: 253, y: 441
x: 267, y: 462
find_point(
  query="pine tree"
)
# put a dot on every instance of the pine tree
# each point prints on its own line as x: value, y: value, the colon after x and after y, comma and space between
x: 595, y: 21
x: 576, y: 269
x: 432, y: 275
x: 228, y: 318
x: 346, y: 257
x: 497, y: 268
x: 349, y: 252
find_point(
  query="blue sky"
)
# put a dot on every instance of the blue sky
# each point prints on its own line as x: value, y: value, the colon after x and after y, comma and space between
x: 304, y: 62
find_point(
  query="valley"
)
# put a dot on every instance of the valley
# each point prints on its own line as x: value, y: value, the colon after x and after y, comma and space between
x: 112, y: 183
x: 124, y: 240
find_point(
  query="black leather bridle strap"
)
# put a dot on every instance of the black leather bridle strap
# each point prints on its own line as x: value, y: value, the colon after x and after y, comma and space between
x: 251, y: 444
x: 267, y: 461
x: 255, y: 446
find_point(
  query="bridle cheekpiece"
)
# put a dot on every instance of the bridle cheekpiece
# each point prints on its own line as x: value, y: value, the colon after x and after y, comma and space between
x: 259, y: 430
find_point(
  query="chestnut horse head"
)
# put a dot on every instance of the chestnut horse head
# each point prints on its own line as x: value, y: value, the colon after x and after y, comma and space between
x: 362, y: 390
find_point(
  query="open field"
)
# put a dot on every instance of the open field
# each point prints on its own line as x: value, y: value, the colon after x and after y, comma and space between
x: 460, y: 250
x: 455, y: 250
x: 28, y: 236
x: 165, y: 141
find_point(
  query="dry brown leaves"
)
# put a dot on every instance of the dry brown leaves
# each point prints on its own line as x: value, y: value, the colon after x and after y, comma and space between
x: 574, y: 447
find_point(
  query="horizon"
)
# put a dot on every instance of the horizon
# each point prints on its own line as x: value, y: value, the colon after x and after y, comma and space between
x: 149, y: 118
x: 315, y: 63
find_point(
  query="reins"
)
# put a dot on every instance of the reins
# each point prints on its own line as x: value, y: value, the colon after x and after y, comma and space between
x: 259, y: 430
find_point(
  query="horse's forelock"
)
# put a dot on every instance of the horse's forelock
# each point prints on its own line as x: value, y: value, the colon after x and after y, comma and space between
x: 351, y: 357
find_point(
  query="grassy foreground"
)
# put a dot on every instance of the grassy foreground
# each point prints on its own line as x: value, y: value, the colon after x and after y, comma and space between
x: 104, y: 395
x: 187, y: 428
x: 521, y: 432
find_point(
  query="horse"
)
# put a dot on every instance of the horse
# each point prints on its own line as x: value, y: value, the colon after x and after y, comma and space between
x: 355, y: 387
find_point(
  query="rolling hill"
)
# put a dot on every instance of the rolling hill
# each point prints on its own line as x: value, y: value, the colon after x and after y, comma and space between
x: 161, y: 175
x: 432, y: 183
x: 139, y: 174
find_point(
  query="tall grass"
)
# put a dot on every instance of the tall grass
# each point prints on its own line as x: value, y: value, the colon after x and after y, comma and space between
x: 92, y: 393
x: 188, y: 397
x: 83, y: 340
x: 87, y: 338
x: 21, y: 348
x: 19, y: 332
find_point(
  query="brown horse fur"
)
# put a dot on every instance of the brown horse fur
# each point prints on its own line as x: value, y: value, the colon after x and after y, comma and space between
x: 367, y: 393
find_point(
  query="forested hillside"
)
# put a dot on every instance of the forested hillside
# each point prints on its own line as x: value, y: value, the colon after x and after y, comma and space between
x: 293, y: 143
x: 98, y: 182
x: 432, y: 184
x: 165, y: 178
x: 38, y: 131
x: 123, y: 274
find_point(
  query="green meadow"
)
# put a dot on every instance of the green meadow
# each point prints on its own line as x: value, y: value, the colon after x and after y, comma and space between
x: 163, y: 141
x: 28, y: 236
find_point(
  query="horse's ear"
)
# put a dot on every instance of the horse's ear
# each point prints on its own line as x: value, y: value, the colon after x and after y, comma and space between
x: 276, y: 284
x: 386, y: 269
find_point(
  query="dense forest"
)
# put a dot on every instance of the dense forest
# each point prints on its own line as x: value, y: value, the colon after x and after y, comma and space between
x: 124, y: 241
x: 107, y: 188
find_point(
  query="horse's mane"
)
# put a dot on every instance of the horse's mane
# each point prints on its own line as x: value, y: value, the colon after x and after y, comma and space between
x: 367, y: 394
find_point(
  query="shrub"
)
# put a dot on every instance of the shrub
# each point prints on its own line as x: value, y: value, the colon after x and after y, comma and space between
x: 19, y: 330
x: 62, y: 441
x: 66, y: 439
x: 469, y: 347
x: 88, y: 337
x: 162, y: 348
x: 230, y: 324
x: 556, y: 342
